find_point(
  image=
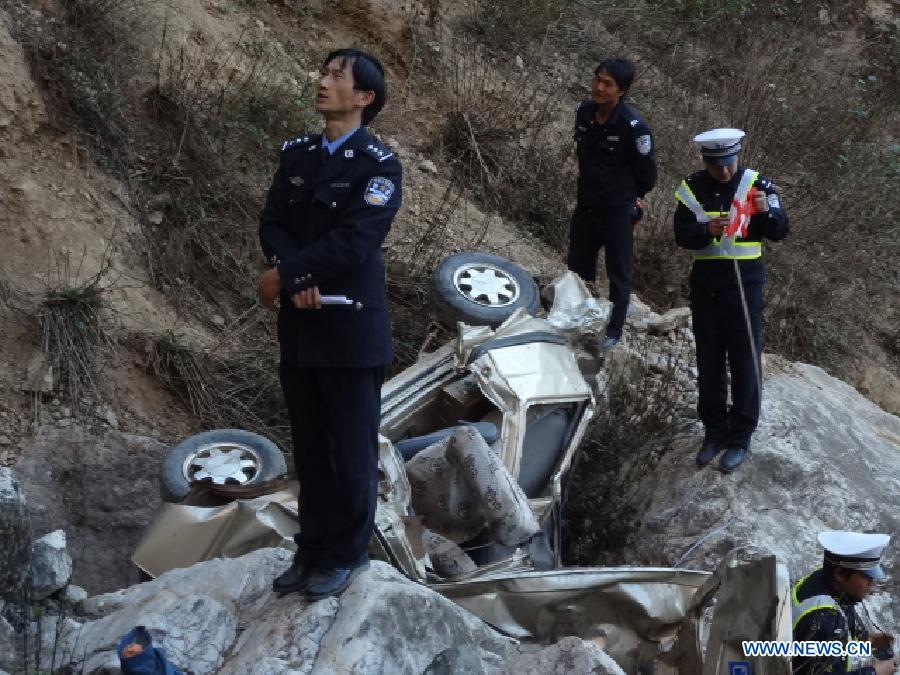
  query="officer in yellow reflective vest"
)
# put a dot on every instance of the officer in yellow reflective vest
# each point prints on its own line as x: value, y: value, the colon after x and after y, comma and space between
x: 824, y: 604
x: 727, y: 288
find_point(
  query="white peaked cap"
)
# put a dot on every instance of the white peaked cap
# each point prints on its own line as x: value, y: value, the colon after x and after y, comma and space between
x: 855, y: 550
x: 719, y: 139
x: 720, y: 146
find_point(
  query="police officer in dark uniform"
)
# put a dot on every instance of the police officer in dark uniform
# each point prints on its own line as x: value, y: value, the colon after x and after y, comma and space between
x: 616, y: 167
x: 327, y: 213
x: 824, y: 606
x: 727, y: 288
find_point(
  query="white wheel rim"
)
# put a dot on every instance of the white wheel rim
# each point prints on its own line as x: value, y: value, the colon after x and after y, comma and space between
x: 223, y: 464
x: 486, y: 285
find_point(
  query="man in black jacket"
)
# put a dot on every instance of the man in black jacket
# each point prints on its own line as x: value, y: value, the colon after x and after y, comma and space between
x: 727, y: 288
x: 824, y: 606
x: 328, y: 211
x: 616, y: 167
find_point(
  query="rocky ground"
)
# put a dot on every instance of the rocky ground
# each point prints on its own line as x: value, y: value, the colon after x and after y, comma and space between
x: 221, y: 616
x: 823, y: 458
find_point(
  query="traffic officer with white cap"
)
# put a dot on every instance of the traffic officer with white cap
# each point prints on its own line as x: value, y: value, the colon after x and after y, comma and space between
x: 723, y: 214
x: 824, y: 605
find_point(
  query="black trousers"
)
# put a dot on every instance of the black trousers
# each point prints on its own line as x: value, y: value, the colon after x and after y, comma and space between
x: 335, y: 415
x: 720, y: 330
x: 611, y: 229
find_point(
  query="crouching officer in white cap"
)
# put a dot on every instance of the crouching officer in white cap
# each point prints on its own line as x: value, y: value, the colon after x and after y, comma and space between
x: 824, y: 605
x: 327, y: 213
x: 726, y: 284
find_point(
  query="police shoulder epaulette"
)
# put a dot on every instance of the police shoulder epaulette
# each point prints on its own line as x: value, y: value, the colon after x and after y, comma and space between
x: 635, y: 120
x: 764, y: 182
x: 697, y: 174
x: 298, y: 142
x: 377, y: 151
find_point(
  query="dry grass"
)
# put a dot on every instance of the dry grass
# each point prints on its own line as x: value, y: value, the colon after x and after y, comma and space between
x: 219, y: 116
x: 817, y: 104
x: 75, y: 328
x: 233, y: 384
x: 640, y: 414
x: 500, y: 137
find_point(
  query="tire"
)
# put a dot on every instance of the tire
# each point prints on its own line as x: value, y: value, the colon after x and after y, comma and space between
x: 247, y: 459
x: 481, y: 290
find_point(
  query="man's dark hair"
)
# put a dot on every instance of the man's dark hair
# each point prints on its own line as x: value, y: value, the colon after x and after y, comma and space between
x: 368, y: 75
x: 621, y: 70
x: 830, y: 569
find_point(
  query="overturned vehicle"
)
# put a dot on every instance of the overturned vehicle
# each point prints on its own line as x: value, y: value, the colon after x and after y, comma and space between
x: 477, y: 441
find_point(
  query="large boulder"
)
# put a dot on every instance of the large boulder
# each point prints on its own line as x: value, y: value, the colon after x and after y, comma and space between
x: 101, y: 487
x: 569, y: 655
x: 15, y: 533
x: 824, y: 457
x: 222, y: 616
x: 51, y: 565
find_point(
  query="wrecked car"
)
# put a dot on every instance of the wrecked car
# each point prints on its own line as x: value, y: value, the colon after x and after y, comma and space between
x: 477, y: 440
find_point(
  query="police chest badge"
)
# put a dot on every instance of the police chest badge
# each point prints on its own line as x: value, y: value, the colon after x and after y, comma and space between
x: 378, y: 191
x: 643, y: 144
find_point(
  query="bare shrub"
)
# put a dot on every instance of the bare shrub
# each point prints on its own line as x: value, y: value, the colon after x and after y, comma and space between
x: 84, y: 63
x: 414, y: 330
x: 518, y: 25
x: 643, y: 407
x: 221, y: 113
x: 501, y: 137
x: 74, y: 329
x: 233, y: 384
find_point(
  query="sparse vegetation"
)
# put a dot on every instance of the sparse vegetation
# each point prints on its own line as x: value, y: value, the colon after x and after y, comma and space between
x: 75, y: 335
x: 501, y: 136
x: 44, y: 645
x: 233, y: 384
x: 518, y: 25
x: 640, y: 414
x: 221, y: 113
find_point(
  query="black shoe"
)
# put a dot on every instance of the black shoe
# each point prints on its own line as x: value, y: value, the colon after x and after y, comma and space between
x: 295, y: 578
x: 709, y: 450
x: 733, y: 457
x: 332, y: 581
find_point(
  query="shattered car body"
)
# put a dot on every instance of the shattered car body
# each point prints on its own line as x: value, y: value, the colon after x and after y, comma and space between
x: 523, y: 378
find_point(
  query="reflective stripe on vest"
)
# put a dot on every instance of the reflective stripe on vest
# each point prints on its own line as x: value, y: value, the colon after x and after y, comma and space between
x: 815, y: 603
x: 812, y: 604
x: 724, y: 247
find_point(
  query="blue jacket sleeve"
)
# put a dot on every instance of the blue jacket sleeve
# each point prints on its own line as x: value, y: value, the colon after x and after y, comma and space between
x: 689, y: 233
x: 276, y: 241
x: 363, y: 227
x: 642, y: 159
x: 826, y: 625
x: 773, y: 224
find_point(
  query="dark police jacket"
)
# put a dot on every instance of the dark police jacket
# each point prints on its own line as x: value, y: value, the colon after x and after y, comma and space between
x: 716, y: 196
x: 616, y: 160
x: 323, y: 224
x: 827, y: 625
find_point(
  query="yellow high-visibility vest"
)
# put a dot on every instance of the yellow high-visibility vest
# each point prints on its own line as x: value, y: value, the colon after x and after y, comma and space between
x: 722, y: 248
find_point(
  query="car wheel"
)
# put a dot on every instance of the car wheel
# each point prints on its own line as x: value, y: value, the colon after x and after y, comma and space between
x: 225, y: 457
x: 481, y: 289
